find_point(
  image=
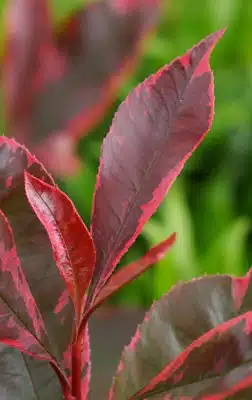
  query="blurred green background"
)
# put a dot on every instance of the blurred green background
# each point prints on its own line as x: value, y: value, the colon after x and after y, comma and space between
x: 210, y: 204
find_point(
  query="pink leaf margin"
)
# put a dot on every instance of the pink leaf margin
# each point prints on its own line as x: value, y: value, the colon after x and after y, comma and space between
x: 147, y: 210
x: 73, y: 247
x: 174, y: 366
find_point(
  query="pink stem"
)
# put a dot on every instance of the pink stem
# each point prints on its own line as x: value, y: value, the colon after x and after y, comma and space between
x: 76, y: 369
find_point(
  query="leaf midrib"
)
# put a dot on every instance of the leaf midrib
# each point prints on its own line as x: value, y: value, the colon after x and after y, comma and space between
x: 152, y: 163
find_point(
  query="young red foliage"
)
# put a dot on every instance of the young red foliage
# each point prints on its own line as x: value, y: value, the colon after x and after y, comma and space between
x: 37, y: 262
x: 22, y: 326
x: 214, y: 356
x: 157, y: 127
x: 192, y: 340
x: 74, y: 257
x: 196, y: 340
x: 67, y: 87
x: 72, y: 359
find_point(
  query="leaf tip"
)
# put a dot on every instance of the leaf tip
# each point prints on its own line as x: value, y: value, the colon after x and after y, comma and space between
x: 216, y: 36
x: 173, y: 238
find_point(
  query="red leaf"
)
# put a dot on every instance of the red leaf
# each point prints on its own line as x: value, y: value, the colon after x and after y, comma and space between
x: 67, y: 87
x: 130, y: 272
x: 72, y: 244
x: 21, y: 323
x: 216, y: 353
x: 153, y: 134
x: 34, y: 248
x: 22, y: 326
x: 179, y: 320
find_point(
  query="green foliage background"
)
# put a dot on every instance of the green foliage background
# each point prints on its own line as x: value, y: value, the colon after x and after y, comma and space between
x: 210, y: 205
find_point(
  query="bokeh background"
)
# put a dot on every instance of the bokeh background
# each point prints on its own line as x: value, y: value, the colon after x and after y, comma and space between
x: 210, y: 204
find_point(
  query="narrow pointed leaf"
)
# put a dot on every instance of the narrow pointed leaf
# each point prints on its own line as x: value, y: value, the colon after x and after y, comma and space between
x: 34, y: 248
x: 67, y: 87
x: 152, y: 135
x: 72, y: 244
x: 131, y: 271
x: 176, y: 321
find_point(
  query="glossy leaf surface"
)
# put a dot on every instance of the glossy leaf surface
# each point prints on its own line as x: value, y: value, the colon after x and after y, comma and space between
x: 168, y: 347
x: 67, y: 86
x: 34, y: 251
x: 72, y: 244
x: 152, y: 135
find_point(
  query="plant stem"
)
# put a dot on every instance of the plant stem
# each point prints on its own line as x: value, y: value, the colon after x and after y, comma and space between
x: 76, y: 368
x: 63, y: 381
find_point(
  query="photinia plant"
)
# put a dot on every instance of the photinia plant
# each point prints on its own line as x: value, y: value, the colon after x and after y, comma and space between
x: 70, y: 72
x: 196, y: 341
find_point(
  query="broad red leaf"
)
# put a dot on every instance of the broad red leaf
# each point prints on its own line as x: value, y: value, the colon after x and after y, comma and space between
x: 131, y: 271
x: 72, y: 244
x: 67, y: 86
x: 153, y: 133
x: 184, y: 319
x: 22, y: 326
x: 208, y: 364
x: 34, y: 249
